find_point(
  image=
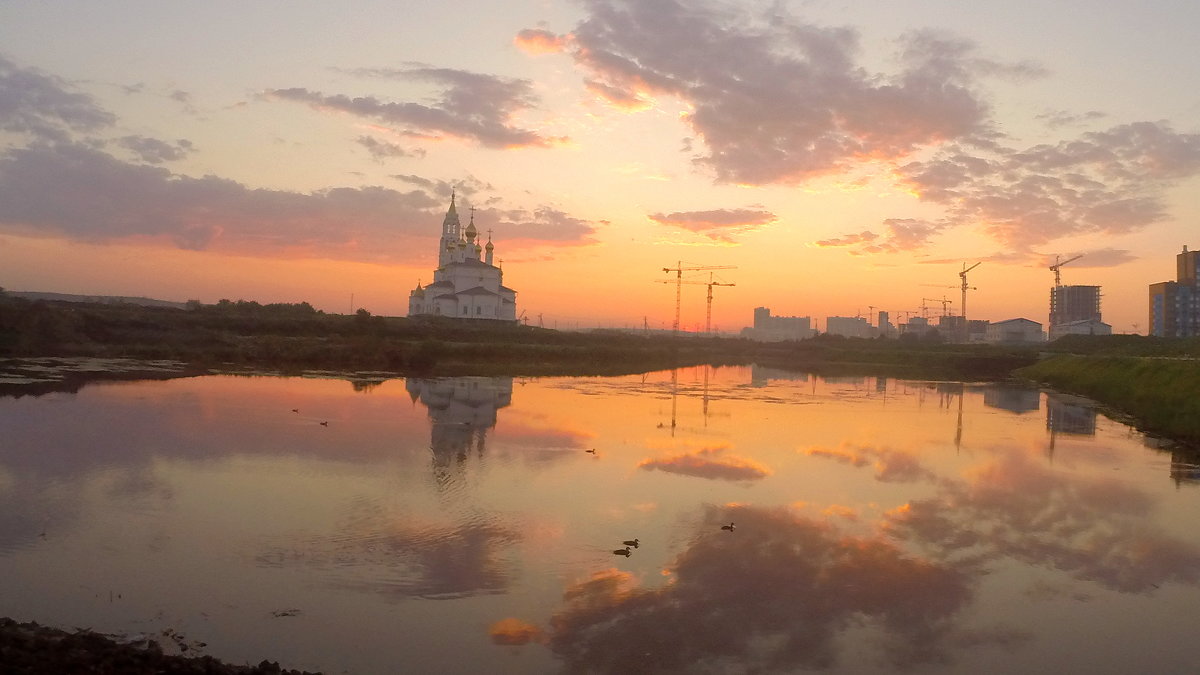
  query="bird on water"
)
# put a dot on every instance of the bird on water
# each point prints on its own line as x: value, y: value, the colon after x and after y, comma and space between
x: 623, y: 551
x: 728, y: 527
x: 631, y: 542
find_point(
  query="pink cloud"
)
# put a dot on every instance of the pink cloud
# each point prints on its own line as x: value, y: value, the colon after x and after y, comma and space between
x: 719, y: 224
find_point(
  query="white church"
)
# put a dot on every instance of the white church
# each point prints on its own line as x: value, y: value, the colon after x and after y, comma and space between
x: 464, y: 286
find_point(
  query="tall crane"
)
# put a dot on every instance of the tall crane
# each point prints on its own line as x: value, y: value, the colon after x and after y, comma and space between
x: 945, y: 304
x: 679, y: 269
x: 710, y: 283
x: 963, y: 275
x: 1057, y: 264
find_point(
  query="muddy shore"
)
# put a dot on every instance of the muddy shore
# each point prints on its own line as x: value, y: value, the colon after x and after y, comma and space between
x: 30, y: 648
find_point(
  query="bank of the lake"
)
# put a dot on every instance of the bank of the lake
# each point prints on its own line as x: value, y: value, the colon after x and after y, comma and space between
x: 1160, y: 394
x: 294, y: 338
x: 33, y: 649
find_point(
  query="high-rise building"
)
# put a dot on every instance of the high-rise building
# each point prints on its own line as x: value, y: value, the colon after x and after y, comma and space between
x: 1175, y: 305
x: 1075, y: 310
x: 1074, y: 303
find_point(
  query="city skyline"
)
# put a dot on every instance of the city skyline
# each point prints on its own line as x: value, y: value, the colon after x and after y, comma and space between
x: 840, y: 157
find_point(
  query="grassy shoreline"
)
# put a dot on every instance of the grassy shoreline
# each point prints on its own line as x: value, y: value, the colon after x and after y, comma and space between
x: 1160, y: 394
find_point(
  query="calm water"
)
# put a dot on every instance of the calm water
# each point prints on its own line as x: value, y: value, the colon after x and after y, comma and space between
x: 462, y: 525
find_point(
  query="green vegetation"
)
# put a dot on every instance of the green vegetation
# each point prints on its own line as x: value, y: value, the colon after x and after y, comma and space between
x: 296, y: 337
x: 1160, y: 393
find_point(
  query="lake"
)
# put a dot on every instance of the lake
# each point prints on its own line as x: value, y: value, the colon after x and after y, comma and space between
x: 469, y: 524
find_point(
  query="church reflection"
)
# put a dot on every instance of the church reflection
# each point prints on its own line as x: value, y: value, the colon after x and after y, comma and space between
x: 461, y: 412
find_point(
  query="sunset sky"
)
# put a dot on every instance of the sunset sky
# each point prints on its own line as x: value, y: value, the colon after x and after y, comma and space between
x: 840, y: 155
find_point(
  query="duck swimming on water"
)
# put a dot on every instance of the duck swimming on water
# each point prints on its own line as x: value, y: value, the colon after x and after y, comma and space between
x: 623, y: 551
x: 728, y: 527
x: 631, y: 542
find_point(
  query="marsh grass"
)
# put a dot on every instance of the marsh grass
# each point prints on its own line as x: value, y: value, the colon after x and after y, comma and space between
x: 1161, y: 393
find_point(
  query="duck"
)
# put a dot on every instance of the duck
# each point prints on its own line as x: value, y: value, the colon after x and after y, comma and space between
x: 324, y: 424
x: 295, y: 410
x: 593, y: 451
x: 728, y: 527
x: 631, y: 542
x: 623, y: 551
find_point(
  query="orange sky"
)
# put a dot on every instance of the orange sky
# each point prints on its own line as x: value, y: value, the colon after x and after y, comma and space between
x: 840, y: 159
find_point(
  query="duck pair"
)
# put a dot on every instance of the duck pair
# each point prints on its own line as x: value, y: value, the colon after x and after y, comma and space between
x: 625, y: 551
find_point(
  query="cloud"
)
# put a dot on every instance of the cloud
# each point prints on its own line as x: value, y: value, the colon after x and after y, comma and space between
x: 774, y: 99
x: 383, y: 150
x: 42, y: 105
x: 1107, y: 182
x: 544, y: 225
x: 779, y: 594
x: 471, y: 106
x: 1056, y: 119
x: 718, y: 224
x: 79, y: 192
x: 154, y: 151
x: 707, y: 463
x: 849, y: 239
x: 540, y: 41
x: 1105, y: 257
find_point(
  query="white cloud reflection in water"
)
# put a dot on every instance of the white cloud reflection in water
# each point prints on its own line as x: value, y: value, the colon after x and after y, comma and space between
x: 463, y: 525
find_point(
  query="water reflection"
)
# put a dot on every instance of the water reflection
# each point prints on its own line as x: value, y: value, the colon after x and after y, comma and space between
x: 461, y: 411
x: 1012, y: 398
x: 774, y: 595
x: 1070, y: 415
x: 881, y: 524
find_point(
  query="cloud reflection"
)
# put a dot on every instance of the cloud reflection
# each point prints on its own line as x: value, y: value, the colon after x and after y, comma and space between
x: 514, y: 632
x: 891, y: 466
x: 708, y: 463
x: 775, y: 595
x: 1092, y: 528
x: 375, y: 551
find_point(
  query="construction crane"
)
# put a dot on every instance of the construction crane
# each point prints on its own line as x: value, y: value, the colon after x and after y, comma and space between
x: 1057, y: 264
x: 945, y: 304
x: 710, y: 283
x: 963, y: 275
x: 679, y: 269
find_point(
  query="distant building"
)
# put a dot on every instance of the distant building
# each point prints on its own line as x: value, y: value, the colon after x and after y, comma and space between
x: 769, y: 328
x: 1081, y: 327
x: 883, y: 325
x: 1175, y: 305
x: 1012, y: 331
x: 1069, y: 304
x: 950, y: 327
x: 464, y: 286
x: 917, y: 325
x: 849, y: 326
